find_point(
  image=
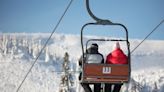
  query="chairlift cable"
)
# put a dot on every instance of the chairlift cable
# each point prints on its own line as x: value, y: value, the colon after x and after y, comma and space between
x: 147, y: 36
x: 44, y: 45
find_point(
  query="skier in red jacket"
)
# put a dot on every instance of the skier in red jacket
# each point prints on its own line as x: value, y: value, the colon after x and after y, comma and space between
x: 115, y: 57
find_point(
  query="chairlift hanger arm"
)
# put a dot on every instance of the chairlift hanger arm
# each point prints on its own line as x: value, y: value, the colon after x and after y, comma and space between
x: 103, y: 21
x: 98, y: 20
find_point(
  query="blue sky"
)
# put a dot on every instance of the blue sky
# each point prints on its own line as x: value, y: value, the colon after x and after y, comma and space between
x: 139, y: 16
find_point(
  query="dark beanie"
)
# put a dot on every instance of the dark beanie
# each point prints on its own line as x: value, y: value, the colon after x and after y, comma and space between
x: 94, y: 45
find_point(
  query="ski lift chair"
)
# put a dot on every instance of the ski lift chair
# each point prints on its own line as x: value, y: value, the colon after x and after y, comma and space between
x: 105, y: 73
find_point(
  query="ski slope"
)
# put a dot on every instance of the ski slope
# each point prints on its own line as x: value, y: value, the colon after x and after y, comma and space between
x: 19, y: 50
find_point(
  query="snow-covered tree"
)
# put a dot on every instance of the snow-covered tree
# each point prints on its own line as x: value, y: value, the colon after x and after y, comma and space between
x: 155, y: 88
x: 1, y: 44
x: 47, y: 57
x: 14, y: 45
x: 5, y: 41
x: 134, y: 86
x: 24, y: 42
x: 67, y: 78
x: 39, y: 45
x: 30, y: 48
x: 35, y: 50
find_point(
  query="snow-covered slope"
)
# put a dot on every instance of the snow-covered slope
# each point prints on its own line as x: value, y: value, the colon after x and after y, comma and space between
x: 18, y: 51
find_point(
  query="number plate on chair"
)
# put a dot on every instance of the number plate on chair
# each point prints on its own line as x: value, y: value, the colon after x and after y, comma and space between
x: 106, y: 70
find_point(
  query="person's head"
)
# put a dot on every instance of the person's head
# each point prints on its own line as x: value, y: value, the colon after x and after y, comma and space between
x: 93, y: 48
x: 116, y: 46
x: 94, y: 45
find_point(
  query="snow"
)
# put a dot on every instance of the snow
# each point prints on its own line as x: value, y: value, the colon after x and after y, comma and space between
x: 19, y: 50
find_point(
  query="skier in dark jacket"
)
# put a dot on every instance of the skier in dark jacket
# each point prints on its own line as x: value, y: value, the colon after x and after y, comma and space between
x: 92, y: 56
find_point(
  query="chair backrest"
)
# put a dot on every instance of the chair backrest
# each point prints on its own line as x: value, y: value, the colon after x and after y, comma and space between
x: 106, y: 73
x: 94, y: 58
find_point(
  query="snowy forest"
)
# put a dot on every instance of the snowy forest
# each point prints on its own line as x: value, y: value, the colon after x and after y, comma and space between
x: 18, y: 51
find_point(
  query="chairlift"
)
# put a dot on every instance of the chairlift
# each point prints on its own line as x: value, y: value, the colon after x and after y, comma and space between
x: 104, y: 73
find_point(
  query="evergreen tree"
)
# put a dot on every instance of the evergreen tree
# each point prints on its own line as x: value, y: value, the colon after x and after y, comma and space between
x: 66, y: 78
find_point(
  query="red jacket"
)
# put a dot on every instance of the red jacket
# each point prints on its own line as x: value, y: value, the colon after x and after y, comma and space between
x: 117, y: 57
